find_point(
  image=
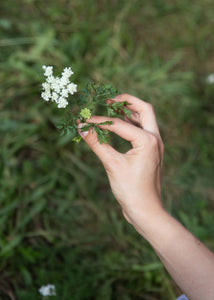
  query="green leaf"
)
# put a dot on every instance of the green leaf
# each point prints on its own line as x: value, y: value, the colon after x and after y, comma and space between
x: 105, y: 123
x: 111, y: 112
x: 81, y: 100
x: 127, y: 112
x: 86, y: 127
x: 77, y: 139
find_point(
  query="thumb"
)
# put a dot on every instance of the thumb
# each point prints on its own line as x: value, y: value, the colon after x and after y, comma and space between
x: 105, y: 152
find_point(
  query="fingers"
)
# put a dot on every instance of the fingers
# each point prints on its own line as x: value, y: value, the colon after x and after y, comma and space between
x: 133, y: 120
x: 127, y: 131
x: 142, y: 115
x: 145, y: 110
x: 105, y: 152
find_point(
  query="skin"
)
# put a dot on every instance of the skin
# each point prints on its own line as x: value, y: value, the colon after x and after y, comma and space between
x: 135, y: 180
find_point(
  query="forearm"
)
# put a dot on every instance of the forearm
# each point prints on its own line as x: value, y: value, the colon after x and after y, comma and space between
x: 137, y: 172
x: 187, y: 260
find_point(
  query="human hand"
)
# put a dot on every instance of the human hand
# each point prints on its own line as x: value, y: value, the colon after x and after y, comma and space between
x: 135, y: 182
x: 135, y: 175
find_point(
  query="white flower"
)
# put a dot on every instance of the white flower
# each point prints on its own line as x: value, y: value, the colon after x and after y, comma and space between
x: 67, y: 72
x: 50, y: 79
x: 64, y: 81
x: 55, y: 85
x: 57, y: 88
x: 210, y: 79
x: 46, y: 95
x: 48, y: 70
x: 46, y: 86
x: 64, y: 93
x: 55, y: 97
x: 62, y: 102
x: 48, y: 290
x: 72, y: 88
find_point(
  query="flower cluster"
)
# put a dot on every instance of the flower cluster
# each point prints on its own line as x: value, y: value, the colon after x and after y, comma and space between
x: 47, y: 290
x: 85, y: 113
x: 58, y: 88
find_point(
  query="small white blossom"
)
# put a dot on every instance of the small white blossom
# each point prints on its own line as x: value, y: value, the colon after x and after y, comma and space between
x: 55, y: 97
x: 67, y: 72
x: 50, y: 80
x: 55, y: 85
x: 64, y: 81
x: 72, y: 88
x: 46, y: 95
x: 57, y: 88
x: 210, y: 79
x: 62, y: 102
x: 46, y: 86
x: 64, y: 93
x: 48, y: 70
x: 47, y: 290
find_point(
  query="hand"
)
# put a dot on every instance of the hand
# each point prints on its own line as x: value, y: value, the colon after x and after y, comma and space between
x: 134, y: 176
x: 135, y: 182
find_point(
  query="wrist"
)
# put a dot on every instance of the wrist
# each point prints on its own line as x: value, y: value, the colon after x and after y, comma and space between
x: 159, y: 228
x: 145, y: 216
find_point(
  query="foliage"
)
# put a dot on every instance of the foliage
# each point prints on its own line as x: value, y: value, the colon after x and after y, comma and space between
x: 59, y: 223
x: 91, y: 97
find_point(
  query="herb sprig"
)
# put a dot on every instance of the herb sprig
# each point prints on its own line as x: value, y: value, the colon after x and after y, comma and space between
x: 90, y: 100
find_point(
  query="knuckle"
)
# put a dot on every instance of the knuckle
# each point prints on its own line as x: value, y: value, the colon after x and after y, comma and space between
x: 112, y: 165
x: 123, y: 96
x: 149, y: 106
x: 94, y: 143
x: 153, y: 141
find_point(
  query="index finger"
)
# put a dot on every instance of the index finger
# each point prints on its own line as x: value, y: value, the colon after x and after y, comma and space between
x: 147, y: 118
x: 127, y: 131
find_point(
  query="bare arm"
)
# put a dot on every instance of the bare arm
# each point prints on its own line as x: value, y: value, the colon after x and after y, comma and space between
x: 135, y: 182
x: 187, y: 260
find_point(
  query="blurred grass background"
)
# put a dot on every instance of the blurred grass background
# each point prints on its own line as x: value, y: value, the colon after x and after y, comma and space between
x: 59, y: 222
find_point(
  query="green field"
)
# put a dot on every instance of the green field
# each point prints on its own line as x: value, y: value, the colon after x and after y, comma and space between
x: 59, y: 222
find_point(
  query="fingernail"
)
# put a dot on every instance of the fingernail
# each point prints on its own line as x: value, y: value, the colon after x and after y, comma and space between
x: 82, y: 133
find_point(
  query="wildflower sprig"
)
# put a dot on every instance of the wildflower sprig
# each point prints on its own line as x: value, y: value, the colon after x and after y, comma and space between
x: 58, y: 89
x: 89, y: 101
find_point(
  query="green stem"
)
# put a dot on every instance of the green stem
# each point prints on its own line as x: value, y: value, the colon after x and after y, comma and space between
x: 102, y: 95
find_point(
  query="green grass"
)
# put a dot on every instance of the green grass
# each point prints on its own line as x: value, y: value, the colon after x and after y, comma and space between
x: 59, y: 222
